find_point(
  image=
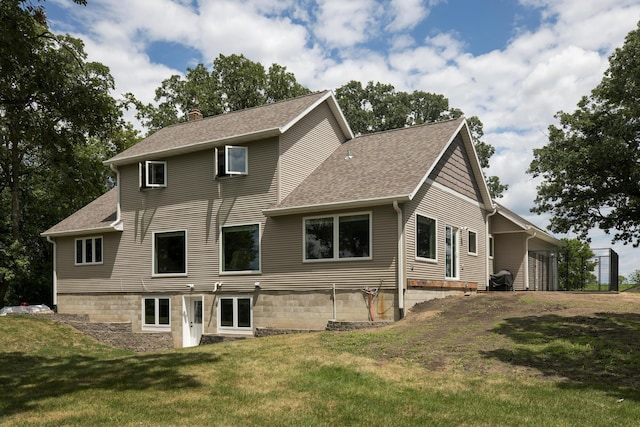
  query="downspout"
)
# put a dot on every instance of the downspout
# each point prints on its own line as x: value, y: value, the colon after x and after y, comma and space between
x: 55, y: 274
x: 117, y: 223
x: 400, y: 260
x: 487, y: 246
x: 526, y: 258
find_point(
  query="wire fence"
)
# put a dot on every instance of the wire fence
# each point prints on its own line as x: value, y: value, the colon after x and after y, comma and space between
x: 597, y: 273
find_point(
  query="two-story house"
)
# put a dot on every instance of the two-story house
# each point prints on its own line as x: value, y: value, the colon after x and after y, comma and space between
x: 278, y: 217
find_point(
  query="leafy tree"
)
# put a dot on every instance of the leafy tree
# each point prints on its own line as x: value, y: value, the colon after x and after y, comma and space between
x: 58, y: 122
x: 576, y: 265
x: 634, y: 277
x: 234, y: 83
x: 378, y: 107
x: 591, y: 166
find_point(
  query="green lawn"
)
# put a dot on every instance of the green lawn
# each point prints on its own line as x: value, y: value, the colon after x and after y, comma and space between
x: 445, y: 369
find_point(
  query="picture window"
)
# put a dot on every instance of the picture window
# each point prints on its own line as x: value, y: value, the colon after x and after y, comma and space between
x: 170, y: 253
x: 343, y: 237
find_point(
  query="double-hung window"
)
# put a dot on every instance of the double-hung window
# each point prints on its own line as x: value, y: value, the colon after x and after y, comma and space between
x: 156, y: 313
x: 337, y: 237
x: 235, y: 313
x: 170, y: 253
x: 240, y: 251
x: 153, y: 174
x: 425, y: 238
x: 89, y: 250
x: 452, y: 251
x: 231, y: 160
x: 472, y: 242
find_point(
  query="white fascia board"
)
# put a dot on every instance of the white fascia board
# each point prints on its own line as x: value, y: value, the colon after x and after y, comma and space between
x: 82, y: 232
x: 335, y: 108
x: 477, y: 170
x: 334, y: 206
x: 529, y: 229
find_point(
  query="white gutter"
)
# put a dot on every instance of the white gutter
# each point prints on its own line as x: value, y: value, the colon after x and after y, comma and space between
x: 117, y: 224
x: 55, y: 274
x: 526, y: 258
x: 271, y: 212
x: 174, y: 151
x: 400, y: 260
x: 488, y: 245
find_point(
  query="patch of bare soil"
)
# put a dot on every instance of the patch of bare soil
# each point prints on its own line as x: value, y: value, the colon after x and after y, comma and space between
x: 559, y: 335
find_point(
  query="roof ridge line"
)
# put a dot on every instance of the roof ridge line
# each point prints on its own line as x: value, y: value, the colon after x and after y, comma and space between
x: 410, y: 127
x: 243, y: 109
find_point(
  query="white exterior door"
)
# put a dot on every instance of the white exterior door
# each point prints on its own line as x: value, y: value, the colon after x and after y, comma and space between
x: 192, y: 313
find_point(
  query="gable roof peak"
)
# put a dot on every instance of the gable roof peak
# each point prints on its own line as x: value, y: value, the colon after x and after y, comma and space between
x: 264, y: 121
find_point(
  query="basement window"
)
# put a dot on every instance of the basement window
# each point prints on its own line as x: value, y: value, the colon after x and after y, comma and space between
x: 235, y: 314
x: 156, y: 313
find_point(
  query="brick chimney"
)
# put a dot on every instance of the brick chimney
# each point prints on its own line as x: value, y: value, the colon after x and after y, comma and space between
x: 194, y: 115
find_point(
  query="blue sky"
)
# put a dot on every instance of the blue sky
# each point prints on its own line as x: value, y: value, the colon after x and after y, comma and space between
x: 512, y: 63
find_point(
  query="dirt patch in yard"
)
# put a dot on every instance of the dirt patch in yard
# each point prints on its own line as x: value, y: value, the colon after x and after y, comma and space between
x: 580, y: 337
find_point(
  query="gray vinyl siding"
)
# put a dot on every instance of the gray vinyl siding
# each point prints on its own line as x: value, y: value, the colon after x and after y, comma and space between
x: 500, y: 224
x: 307, y: 144
x: 282, y: 256
x: 447, y: 209
x: 68, y: 271
x: 509, y: 255
x: 193, y: 201
x: 454, y: 171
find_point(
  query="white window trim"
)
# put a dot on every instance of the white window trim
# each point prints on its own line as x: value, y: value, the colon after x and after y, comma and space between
x: 226, y: 159
x: 146, y: 183
x: 336, y: 234
x: 234, y: 329
x: 220, y: 253
x: 156, y: 326
x: 153, y: 254
x: 84, y: 252
x: 469, y: 231
x: 456, y: 275
x: 418, y: 258
x: 227, y: 172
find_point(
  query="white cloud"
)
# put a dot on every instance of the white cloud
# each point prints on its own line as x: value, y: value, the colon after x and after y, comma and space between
x: 407, y: 14
x: 343, y: 24
x: 515, y: 90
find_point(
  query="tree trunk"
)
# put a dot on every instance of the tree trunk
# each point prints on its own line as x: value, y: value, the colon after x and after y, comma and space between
x: 4, y: 287
x: 16, y: 160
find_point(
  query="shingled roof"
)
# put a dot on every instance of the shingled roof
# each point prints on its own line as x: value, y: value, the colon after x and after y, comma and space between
x: 236, y: 126
x: 526, y: 226
x: 97, y: 216
x: 375, y: 169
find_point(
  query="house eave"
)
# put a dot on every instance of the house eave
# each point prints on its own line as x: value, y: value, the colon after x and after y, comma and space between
x: 334, y: 206
x: 84, y: 231
x: 199, y: 146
